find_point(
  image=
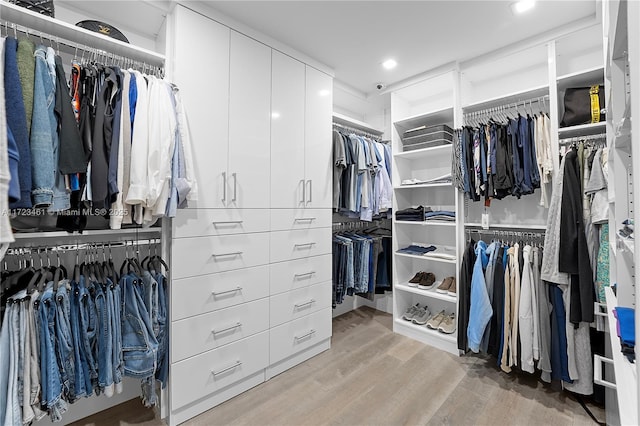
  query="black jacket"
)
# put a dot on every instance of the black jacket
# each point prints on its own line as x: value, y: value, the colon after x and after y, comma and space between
x: 464, y: 294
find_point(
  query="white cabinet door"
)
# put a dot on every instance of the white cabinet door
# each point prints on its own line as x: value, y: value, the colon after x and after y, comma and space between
x: 318, y: 143
x: 203, y: 80
x: 287, y: 131
x: 249, y: 123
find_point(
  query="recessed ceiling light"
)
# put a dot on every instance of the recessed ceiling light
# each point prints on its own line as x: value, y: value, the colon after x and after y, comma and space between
x: 275, y: 114
x: 522, y: 6
x: 324, y: 92
x: 389, y: 64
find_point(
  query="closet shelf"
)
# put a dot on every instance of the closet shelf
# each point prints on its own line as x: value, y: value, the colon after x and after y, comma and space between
x: 625, y: 372
x: 626, y: 244
x: 424, y: 153
x: 112, y: 233
x: 425, y: 223
x: 441, y: 116
x: 427, y: 332
x: 37, y: 22
x: 424, y: 185
x: 427, y: 257
x: 581, y: 78
x: 427, y: 293
x: 509, y: 98
x: 357, y: 124
x: 582, y: 130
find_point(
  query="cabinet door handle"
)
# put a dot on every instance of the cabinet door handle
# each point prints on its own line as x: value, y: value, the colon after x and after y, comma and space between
x: 236, y: 325
x: 238, y: 363
x: 227, y: 222
x: 597, y: 371
x: 306, y: 274
x: 304, y: 336
x: 233, y: 290
x: 302, y: 305
x: 304, y: 245
x: 235, y: 187
x: 235, y: 253
x: 310, y: 191
x: 224, y: 187
x: 304, y: 191
x: 304, y: 219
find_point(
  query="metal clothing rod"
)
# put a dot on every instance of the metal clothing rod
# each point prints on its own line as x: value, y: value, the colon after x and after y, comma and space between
x: 92, y: 54
x: 577, y: 139
x: 501, y: 111
x: 28, y: 248
x: 358, y: 131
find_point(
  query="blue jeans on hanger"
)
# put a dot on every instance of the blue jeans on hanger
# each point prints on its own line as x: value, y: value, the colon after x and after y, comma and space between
x: 64, y: 341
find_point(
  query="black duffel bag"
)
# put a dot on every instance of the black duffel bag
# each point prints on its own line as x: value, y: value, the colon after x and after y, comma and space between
x: 583, y: 105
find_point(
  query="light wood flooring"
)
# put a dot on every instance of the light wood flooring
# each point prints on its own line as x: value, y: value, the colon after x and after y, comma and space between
x: 371, y: 376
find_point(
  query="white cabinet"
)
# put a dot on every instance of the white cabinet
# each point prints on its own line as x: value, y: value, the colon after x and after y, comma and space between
x: 203, y: 80
x: 287, y: 132
x: 249, y: 123
x: 301, y: 148
x: 261, y: 133
x: 318, y: 143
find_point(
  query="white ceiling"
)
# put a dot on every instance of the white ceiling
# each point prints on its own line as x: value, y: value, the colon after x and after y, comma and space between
x: 355, y: 37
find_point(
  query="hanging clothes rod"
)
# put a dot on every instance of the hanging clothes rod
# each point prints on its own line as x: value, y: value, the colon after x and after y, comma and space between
x: 28, y: 247
x: 358, y: 131
x: 502, y: 111
x: 602, y: 137
x: 92, y: 54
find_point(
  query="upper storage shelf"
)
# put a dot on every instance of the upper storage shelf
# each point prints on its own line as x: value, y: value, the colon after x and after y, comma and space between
x: 581, y: 78
x: 355, y: 124
x: 441, y: 116
x: 72, y: 35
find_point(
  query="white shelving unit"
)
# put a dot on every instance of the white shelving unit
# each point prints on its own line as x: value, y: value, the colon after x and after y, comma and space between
x: 622, y: 79
x: 424, y: 164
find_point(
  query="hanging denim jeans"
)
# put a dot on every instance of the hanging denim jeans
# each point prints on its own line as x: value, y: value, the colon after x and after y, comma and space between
x: 162, y: 371
x: 104, y: 347
x: 114, y: 304
x: 64, y: 341
x: 88, y: 335
x: 82, y: 385
x: 51, y: 379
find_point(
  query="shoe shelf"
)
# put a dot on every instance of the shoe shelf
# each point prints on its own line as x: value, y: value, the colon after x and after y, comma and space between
x: 445, y: 342
x: 425, y: 223
x: 427, y: 257
x: 432, y: 293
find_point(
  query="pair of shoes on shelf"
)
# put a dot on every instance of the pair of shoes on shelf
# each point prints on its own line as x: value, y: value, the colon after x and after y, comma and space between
x: 443, y: 322
x: 423, y: 280
x: 448, y: 286
x: 417, y: 314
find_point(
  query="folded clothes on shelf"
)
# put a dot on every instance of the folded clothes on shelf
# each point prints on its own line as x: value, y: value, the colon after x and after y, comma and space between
x: 625, y: 326
x: 627, y: 229
x: 440, y: 179
x: 446, y: 215
x: 417, y: 249
x: 412, y: 213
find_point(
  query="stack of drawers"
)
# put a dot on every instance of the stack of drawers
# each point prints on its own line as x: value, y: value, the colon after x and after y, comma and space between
x: 300, y: 289
x: 250, y: 298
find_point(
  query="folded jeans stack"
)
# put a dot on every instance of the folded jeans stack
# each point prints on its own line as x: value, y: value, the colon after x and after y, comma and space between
x: 412, y: 214
x: 417, y: 249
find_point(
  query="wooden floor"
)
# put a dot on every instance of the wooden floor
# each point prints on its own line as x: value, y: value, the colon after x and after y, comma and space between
x: 371, y: 376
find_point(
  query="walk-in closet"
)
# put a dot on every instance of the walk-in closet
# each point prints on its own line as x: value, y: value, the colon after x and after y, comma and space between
x: 305, y: 212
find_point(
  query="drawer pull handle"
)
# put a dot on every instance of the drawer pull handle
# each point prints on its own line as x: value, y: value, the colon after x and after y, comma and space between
x: 302, y: 305
x: 306, y: 274
x: 238, y: 363
x: 233, y: 327
x: 304, y: 219
x: 597, y: 371
x: 233, y: 290
x: 228, y: 222
x: 235, y: 253
x: 304, y: 245
x: 304, y: 336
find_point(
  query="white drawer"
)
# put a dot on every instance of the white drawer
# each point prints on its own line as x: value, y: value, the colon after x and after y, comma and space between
x: 285, y: 219
x: 192, y: 336
x: 208, y: 255
x: 206, y: 293
x: 197, y: 377
x: 202, y: 222
x: 292, y: 337
x: 287, y: 245
x: 298, y: 303
x: 293, y: 274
